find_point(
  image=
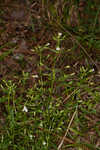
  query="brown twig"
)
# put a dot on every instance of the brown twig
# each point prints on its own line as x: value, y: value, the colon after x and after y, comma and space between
x: 61, y: 143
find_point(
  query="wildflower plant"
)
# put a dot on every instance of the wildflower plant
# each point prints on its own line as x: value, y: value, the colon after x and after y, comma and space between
x: 58, y: 38
x: 59, y: 107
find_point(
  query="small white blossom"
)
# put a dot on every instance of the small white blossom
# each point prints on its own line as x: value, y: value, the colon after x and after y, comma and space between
x: 33, y: 50
x: 57, y: 48
x: 47, y: 44
x: 25, y: 109
x: 92, y: 70
x: 35, y: 76
x: 59, y: 34
x: 91, y: 83
x: 44, y: 143
x: 67, y: 67
x: 30, y: 136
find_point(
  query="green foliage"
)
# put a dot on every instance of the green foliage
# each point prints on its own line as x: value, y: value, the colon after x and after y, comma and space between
x: 36, y: 118
x: 63, y: 98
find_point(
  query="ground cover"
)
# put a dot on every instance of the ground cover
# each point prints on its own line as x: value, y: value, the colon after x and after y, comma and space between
x: 49, y: 75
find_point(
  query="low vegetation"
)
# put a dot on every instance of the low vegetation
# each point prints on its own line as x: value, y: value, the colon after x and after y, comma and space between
x: 49, y: 75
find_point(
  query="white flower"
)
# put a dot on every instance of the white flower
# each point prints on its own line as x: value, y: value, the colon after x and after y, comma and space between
x: 25, y: 109
x: 35, y: 76
x: 30, y: 136
x: 44, y: 143
x: 59, y: 34
x: 32, y: 50
x: 67, y: 67
x: 57, y: 48
x: 47, y: 44
x: 92, y: 70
